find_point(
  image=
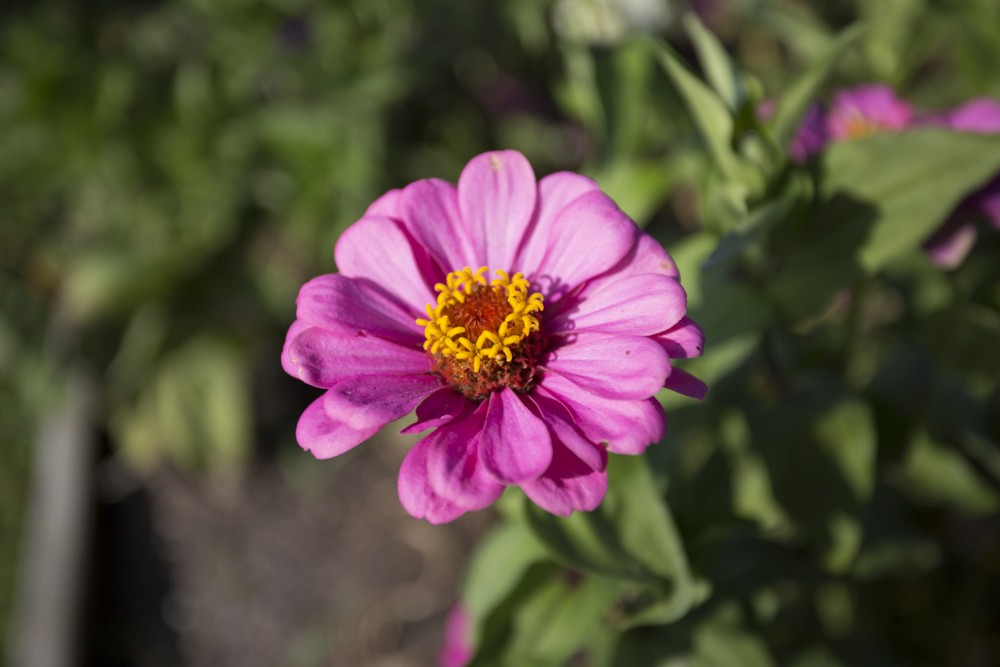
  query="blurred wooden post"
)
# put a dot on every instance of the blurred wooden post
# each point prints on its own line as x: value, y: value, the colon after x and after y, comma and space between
x: 47, y: 606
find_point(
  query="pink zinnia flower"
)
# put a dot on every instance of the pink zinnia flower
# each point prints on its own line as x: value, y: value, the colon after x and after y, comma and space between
x: 863, y: 110
x: 457, y: 648
x: 950, y: 244
x: 529, y: 323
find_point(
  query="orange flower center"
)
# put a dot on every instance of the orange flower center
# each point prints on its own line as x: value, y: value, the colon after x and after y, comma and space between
x: 484, y: 335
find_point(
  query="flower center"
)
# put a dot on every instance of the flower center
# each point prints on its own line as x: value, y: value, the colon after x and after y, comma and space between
x: 484, y: 335
x: 858, y: 126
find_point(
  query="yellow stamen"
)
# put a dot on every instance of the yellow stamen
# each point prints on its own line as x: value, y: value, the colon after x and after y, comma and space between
x: 447, y: 329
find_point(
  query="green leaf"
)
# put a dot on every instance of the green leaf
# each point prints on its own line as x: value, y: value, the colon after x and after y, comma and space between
x: 912, y: 181
x: 752, y: 497
x: 937, y: 473
x: 497, y: 566
x: 819, y: 448
x: 725, y: 641
x: 711, y: 117
x: 754, y: 229
x: 631, y: 536
x: 561, y: 618
x: 719, y: 68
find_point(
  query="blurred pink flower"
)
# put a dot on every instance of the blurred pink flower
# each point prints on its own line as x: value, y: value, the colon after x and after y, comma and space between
x: 457, y: 648
x: 950, y: 244
x: 864, y: 110
x: 810, y: 136
x: 528, y: 378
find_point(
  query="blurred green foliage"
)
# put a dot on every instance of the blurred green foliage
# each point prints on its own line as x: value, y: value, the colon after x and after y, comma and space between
x: 171, y: 172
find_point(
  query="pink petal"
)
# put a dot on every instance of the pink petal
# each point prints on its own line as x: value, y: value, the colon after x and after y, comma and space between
x: 380, y: 251
x: 355, y: 409
x: 555, y: 192
x: 589, y: 236
x: 682, y: 341
x: 563, y: 428
x: 386, y: 206
x: 297, y: 328
x: 628, y: 427
x: 515, y: 446
x: 415, y: 493
x: 350, y: 307
x: 496, y: 197
x: 362, y: 402
x: 876, y: 105
x: 647, y: 256
x: 684, y: 383
x: 322, y: 358
x: 439, y: 408
x: 324, y: 436
x: 979, y: 115
x: 430, y: 212
x: 617, y: 367
x: 457, y: 650
x: 453, y: 467
x: 568, y: 485
x: 639, y: 304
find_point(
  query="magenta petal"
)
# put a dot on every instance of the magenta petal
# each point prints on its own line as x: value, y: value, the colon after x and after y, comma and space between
x: 515, y: 446
x: 355, y: 409
x: 979, y: 115
x: 457, y: 650
x: 380, y: 251
x: 363, y: 402
x: 589, y: 236
x: 640, y: 305
x: 430, y: 212
x: 555, y: 192
x: 563, y: 428
x: 682, y: 341
x: 874, y: 106
x: 298, y: 327
x: 350, y: 307
x: 568, y: 485
x: 628, y: 427
x: 496, y: 197
x: 415, y: 492
x: 386, y: 206
x: 684, y: 383
x: 618, y: 367
x: 647, y: 256
x: 441, y: 407
x: 322, y: 358
x: 453, y: 467
x: 324, y: 436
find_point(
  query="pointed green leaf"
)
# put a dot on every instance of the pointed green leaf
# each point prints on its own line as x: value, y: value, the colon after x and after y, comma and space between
x: 719, y: 68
